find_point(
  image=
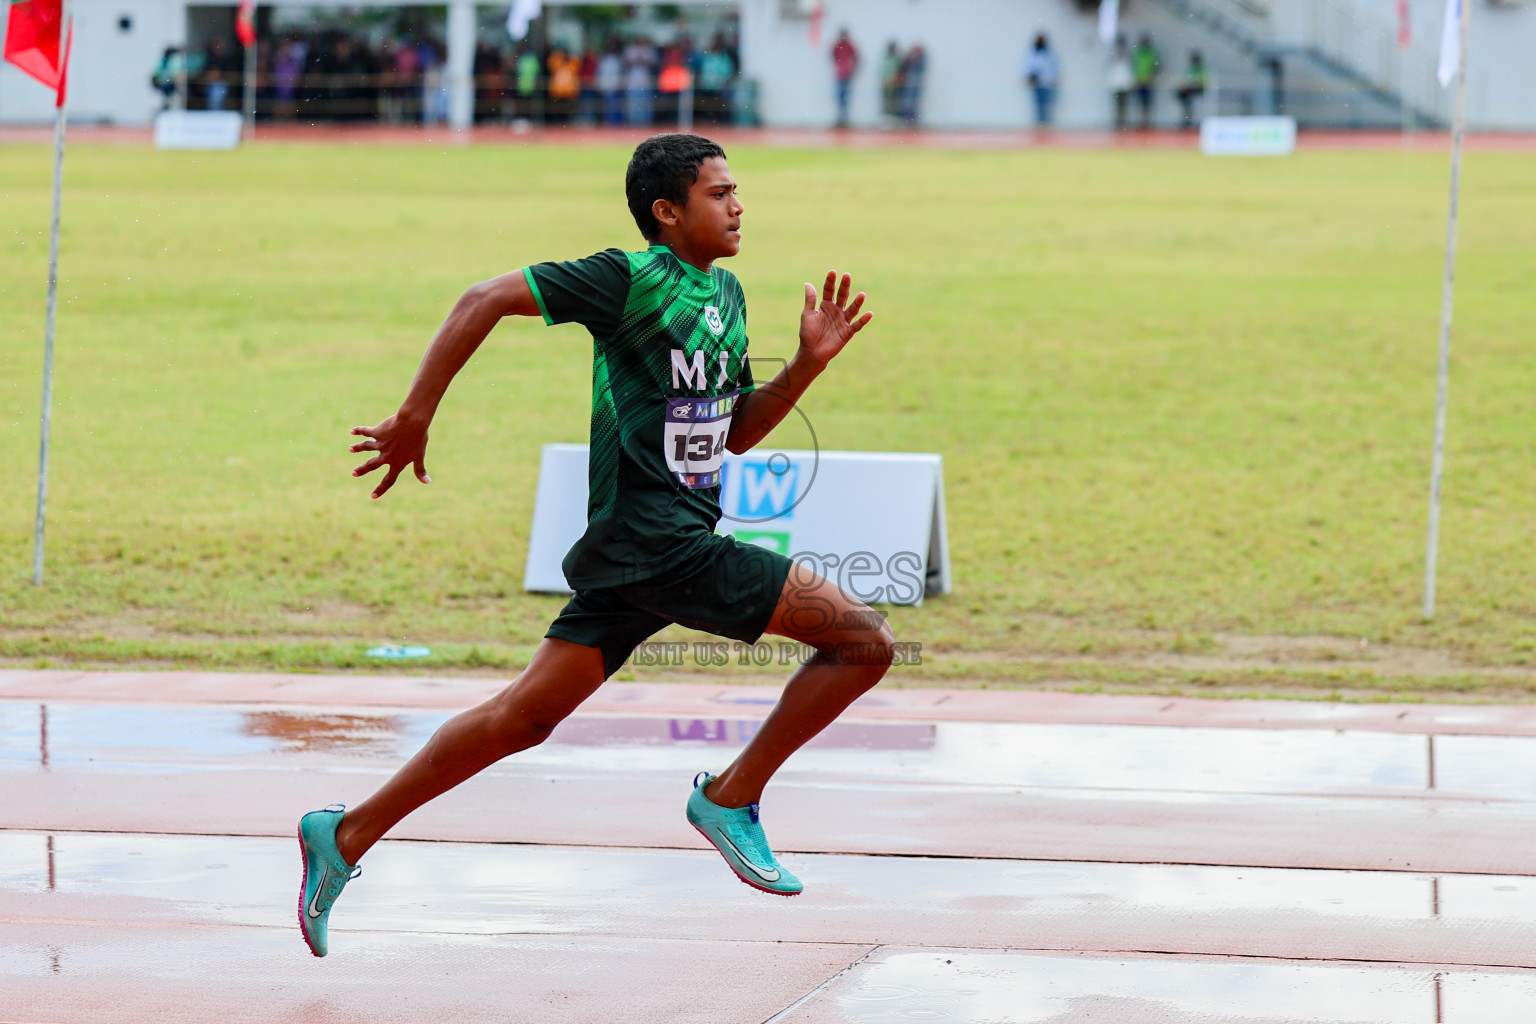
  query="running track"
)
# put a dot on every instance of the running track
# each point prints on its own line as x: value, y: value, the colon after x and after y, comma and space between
x: 1000, y: 856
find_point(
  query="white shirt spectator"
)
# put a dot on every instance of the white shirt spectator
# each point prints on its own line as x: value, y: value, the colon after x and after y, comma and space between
x: 610, y: 73
x: 639, y: 61
x: 1042, y: 69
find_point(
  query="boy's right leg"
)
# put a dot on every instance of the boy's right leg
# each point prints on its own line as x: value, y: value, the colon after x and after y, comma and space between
x: 557, y: 680
x: 592, y: 636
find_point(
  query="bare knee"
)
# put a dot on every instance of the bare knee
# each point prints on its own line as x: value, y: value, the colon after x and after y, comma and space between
x: 867, y: 654
x: 518, y: 727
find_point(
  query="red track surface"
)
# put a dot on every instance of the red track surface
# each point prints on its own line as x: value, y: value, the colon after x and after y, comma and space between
x: 978, y: 855
x: 384, y: 135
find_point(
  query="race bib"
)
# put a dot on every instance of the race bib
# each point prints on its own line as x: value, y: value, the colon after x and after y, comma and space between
x: 693, y: 439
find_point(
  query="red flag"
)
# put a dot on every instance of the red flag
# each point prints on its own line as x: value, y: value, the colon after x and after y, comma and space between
x: 245, y: 23
x: 32, y: 42
x: 818, y: 8
x: 1404, y: 26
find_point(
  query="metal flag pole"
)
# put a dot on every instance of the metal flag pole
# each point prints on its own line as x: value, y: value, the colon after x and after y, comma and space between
x: 53, y: 305
x: 248, y: 101
x: 685, y: 106
x: 1437, y: 463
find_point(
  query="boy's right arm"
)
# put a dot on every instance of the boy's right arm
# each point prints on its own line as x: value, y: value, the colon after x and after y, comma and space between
x: 401, y: 439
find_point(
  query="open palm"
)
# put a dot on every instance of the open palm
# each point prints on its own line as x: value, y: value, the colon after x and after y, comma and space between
x: 827, y: 326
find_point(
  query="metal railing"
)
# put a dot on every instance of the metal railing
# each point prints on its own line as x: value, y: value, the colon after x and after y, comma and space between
x: 1366, y: 49
x: 393, y: 98
x: 1335, y: 40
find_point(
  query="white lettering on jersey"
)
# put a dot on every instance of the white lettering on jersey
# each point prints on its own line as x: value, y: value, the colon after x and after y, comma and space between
x: 687, y: 374
x: 725, y: 358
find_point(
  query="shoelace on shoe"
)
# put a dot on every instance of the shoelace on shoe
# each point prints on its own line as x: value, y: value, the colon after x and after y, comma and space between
x: 332, y: 890
x: 748, y: 834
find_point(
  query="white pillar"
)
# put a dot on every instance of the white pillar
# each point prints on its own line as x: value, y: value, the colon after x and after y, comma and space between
x: 461, y: 63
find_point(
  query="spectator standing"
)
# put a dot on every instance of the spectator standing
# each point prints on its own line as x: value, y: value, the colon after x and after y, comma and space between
x: 890, y: 82
x: 845, y: 64
x: 716, y: 70
x: 564, y: 85
x: 587, y: 112
x: 386, y: 61
x: 639, y: 81
x: 1043, y: 73
x: 526, y: 70
x: 1121, y: 80
x: 314, y: 80
x: 287, y: 69
x: 913, y: 68
x: 434, y: 84
x: 1146, y: 62
x: 488, y: 82
x: 406, y: 83
x: 167, y: 75
x: 1193, y: 88
x: 610, y: 83
x: 352, y: 94
x: 217, y: 67
x: 674, y: 82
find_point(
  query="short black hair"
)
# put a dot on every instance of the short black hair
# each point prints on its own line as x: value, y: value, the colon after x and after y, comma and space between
x: 664, y: 167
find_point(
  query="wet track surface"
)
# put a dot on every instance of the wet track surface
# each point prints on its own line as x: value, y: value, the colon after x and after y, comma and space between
x: 1236, y: 864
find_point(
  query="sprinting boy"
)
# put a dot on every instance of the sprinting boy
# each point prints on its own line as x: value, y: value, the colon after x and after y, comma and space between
x: 672, y: 391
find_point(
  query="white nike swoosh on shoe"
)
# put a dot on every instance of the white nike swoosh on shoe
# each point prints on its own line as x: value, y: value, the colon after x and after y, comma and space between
x: 319, y: 888
x: 767, y: 876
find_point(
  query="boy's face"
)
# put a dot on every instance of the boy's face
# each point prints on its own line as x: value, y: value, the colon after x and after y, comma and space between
x: 709, y: 227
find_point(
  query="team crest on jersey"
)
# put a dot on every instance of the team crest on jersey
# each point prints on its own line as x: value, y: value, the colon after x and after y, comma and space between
x: 712, y: 318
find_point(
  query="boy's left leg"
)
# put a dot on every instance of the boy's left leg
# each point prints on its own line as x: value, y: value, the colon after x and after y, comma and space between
x: 854, y: 648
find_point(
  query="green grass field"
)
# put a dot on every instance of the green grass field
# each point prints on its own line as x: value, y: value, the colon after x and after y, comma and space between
x: 1184, y: 404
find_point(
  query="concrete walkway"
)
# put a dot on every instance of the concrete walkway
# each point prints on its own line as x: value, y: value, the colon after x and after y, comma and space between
x: 998, y: 856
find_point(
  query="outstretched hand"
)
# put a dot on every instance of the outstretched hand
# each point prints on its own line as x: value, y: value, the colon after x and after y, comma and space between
x: 399, y: 443
x: 826, y: 327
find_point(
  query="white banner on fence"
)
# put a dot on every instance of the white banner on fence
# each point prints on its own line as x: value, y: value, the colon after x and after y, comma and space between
x: 197, y: 129
x: 873, y: 522
x: 1248, y: 136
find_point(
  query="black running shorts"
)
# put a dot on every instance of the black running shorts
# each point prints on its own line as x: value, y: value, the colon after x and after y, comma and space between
x: 731, y: 591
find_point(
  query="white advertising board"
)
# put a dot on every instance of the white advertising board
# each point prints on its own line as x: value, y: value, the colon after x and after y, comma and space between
x: 873, y: 522
x: 1248, y: 136
x: 197, y: 129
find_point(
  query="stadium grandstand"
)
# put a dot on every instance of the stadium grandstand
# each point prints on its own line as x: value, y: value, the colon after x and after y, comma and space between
x: 1328, y: 63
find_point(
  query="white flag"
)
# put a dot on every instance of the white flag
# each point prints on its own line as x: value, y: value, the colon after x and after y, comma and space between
x: 1109, y: 20
x: 1450, y: 43
x: 520, y: 15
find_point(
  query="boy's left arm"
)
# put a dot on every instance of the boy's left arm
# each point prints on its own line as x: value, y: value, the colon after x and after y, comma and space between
x: 825, y: 328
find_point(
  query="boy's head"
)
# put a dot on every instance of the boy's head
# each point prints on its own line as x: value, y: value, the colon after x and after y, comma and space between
x: 681, y: 193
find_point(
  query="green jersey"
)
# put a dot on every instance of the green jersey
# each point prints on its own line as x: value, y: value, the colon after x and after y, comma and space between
x: 669, y: 363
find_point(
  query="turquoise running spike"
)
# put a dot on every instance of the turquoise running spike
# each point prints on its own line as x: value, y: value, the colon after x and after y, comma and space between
x: 737, y: 832
x: 325, y: 875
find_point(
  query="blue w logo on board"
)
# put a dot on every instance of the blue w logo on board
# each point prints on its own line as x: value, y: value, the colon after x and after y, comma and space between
x: 768, y: 489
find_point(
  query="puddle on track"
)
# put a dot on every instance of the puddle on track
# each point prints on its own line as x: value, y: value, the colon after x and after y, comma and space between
x: 1015, y: 988
x: 946, y: 753
x: 497, y: 889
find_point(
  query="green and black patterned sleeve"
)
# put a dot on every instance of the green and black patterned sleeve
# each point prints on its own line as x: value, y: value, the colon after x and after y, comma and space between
x: 744, y: 380
x: 590, y: 292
